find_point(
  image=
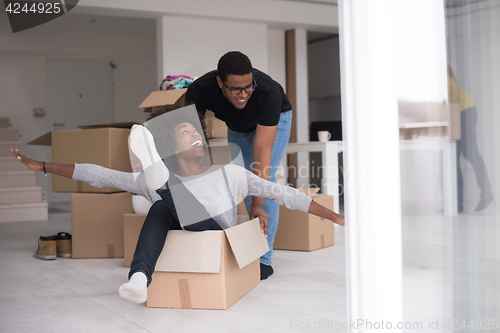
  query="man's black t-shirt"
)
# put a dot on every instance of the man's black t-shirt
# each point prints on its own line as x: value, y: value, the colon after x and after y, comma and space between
x: 263, y: 107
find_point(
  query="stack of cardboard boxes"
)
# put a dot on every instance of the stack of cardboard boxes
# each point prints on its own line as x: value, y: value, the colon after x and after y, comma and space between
x: 96, y: 213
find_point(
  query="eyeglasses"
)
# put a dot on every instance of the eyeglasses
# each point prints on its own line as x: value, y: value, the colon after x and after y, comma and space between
x: 237, y: 91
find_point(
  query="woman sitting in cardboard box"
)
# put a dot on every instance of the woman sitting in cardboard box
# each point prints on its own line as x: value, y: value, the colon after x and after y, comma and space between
x: 196, y: 194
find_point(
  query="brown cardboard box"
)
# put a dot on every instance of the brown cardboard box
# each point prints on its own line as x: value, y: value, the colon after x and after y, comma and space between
x: 429, y: 120
x: 97, y: 224
x: 216, y: 128
x: 132, y: 224
x: 158, y: 99
x: 208, y: 269
x: 105, y: 145
x: 301, y: 231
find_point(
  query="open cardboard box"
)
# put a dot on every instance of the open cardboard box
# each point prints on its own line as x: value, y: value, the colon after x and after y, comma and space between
x: 216, y: 128
x: 207, y: 269
x: 105, y: 145
x: 132, y: 224
x: 158, y: 99
x: 302, y: 231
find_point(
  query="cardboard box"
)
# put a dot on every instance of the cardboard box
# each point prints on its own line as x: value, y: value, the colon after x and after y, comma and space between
x: 158, y: 99
x: 216, y: 128
x: 97, y: 224
x: 429, y: 120
x: 305, y: 232
x: 208, y: 269
x: 241, y: 209
x: 105, y: 145
x: 132, y: 224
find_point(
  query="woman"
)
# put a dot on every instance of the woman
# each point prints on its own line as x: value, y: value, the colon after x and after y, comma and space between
x: 186, y: 194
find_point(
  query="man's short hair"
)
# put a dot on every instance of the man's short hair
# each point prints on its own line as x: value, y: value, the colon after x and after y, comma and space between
x: 233, y: 63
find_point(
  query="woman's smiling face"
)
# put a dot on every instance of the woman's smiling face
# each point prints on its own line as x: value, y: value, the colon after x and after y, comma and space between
x: 188, y: 140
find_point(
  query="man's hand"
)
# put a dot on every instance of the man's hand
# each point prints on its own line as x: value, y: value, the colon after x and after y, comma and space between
x: 258, y: 211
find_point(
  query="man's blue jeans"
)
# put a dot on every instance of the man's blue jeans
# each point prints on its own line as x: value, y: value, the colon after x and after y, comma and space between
x: 245, y: 141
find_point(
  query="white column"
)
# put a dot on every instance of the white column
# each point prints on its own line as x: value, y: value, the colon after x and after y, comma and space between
x: 302, y: 104
x: 161, y: 48
x: 371, y: 162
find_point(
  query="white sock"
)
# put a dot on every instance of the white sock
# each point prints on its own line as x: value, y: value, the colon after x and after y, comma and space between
x: 142, y: 144
x: 136, y: 289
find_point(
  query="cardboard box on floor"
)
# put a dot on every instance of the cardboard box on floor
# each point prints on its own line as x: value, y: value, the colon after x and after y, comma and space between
x: 207, y: 269
x: 305, y: 232
x: 105, y: 145
x: 132, y: 224
x: 97, y: 224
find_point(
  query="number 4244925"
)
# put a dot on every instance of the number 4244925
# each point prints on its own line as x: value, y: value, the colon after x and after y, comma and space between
x: 40, y: 8
x: 485, y: 324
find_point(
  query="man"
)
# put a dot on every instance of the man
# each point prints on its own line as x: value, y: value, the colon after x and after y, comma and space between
x: 467, y: 145
x: 258, y: 116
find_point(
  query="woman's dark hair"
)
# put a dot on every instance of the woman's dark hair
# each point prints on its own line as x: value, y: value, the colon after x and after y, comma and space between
x: 233, y: 63
x: 166, y: 143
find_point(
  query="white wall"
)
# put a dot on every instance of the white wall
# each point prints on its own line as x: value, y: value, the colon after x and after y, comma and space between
x: 277, y: 56
x: 193, y: 46
x: 23, y: 77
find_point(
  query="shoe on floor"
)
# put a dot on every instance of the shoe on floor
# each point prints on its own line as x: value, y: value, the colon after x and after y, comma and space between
x: 46, y: 248
x: 64, y: 245
x: 484, y: 202
x: 265, y: 271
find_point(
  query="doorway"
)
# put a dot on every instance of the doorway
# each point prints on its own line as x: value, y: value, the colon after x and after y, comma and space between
x: 79, y: 92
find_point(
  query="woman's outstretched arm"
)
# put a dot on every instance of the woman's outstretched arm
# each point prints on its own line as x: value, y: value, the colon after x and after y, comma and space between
x: 321, y: 211
x: 65, y: 170
x: 95, y: 175
x: 284, y: 195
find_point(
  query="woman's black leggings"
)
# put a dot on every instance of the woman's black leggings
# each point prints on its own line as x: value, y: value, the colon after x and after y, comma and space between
x: 161, y: 218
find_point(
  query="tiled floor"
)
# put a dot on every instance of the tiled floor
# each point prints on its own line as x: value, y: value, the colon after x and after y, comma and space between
x: 451, y: 271
x: 81, y: 295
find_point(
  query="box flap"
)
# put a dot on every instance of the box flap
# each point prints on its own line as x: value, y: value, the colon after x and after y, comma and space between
x: 44, y: 140
x: 247, y: 242
x: 310, y: 192
x: 158, y: 98
x: 192, y: 252
x: 123, y: 124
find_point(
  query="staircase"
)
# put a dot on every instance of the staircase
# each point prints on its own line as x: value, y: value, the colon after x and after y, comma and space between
x: 20, y: 198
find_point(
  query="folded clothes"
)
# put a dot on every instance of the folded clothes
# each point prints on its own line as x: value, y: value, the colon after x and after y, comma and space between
x: 176, y: 82
x: 176, y: 76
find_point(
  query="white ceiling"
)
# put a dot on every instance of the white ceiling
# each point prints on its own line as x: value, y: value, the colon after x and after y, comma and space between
x: 94, y: 23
